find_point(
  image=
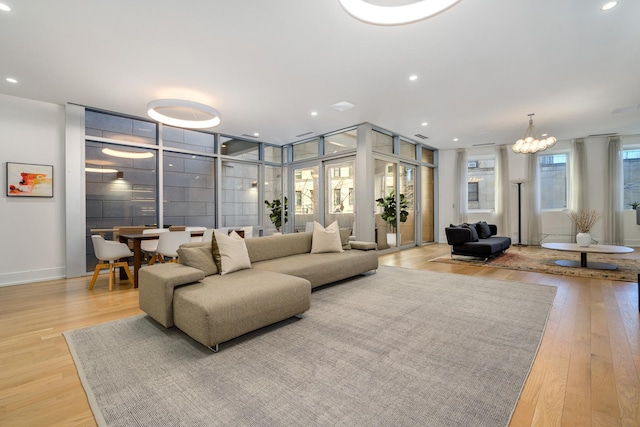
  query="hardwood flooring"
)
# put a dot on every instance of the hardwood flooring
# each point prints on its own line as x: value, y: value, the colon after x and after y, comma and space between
x: 586, y: 372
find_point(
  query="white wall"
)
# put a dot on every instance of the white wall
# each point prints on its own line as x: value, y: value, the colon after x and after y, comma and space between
x: 556, y: 226
x: 32, y: 229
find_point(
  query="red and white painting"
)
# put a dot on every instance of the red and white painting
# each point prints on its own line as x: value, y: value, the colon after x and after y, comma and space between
x: 29, y: 180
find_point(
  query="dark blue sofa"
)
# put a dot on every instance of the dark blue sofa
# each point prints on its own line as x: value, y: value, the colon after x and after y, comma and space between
x: 476, y: 240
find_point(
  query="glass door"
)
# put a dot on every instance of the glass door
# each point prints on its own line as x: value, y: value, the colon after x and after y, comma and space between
x: 406, y: 204
x: 384, y: 193
x: 340, y: 193
x: 427, y: 204
x: 306, y: 191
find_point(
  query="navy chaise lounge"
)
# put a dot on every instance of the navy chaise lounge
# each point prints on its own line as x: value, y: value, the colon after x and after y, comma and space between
x: 476, y: 240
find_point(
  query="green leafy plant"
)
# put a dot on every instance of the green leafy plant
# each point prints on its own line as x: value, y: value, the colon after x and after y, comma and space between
x: 276, y: 216
x: 634, y: 205
x: 390, y: 210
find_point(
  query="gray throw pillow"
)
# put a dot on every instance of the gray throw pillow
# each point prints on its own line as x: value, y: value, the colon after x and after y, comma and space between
x: 474, y: 232
x: 484, y: 232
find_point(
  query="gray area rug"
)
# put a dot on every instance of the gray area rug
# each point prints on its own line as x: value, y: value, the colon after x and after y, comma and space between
x: 400, y: 347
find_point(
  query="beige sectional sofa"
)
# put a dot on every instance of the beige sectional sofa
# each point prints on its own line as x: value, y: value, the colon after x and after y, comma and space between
x: 214, y: 308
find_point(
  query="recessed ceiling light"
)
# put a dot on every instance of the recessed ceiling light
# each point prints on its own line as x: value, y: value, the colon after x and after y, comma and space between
x: 256, y: 134
x: 4, y: 7
x: 11, y: 80
x: 455, y: 139
x: 314, y: 113
x: 609, y: 5
x: 424, y: 123
x: 414, y: 77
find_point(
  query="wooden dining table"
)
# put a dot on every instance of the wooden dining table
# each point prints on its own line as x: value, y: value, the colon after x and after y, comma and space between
x: 137, y: 239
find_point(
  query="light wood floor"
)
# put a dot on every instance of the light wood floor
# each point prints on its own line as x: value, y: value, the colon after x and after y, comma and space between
x: 586, y: 372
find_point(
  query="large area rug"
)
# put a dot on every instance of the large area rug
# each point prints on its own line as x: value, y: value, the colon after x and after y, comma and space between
x: 400, y: 347
x: 541, y: 260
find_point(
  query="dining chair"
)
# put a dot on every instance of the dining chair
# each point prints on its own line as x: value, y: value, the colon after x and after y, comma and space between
x: 196, y: 238
x: 150, y: 246
x: 110, y: 253
x: 168, y: 244
x: 207, y: 235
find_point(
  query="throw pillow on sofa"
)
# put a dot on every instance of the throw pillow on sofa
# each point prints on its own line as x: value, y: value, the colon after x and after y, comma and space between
x: 200, y: 257
x: 326, y: 239
x: 484, y: 232
x: 229, y: 252
x: 472, y: 230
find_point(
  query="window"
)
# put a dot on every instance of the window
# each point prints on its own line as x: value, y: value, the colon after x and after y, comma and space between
x: 554, y: 179
x: 339, y: 142
x: 631, y: 168
x: 481, y: 184
x: 473, y: 192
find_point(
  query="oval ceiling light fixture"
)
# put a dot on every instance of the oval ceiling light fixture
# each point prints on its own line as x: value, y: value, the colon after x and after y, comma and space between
x: 183, y: 113
x: 609, y: 5
x: 395, y: 15
x: 127, y: 154
x: 4, y: 7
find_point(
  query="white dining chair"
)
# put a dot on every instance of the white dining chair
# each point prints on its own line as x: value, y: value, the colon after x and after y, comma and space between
x: 207, y: 235
x: 168, y: 244
x: 110, y: 253
x: 149, y: 246
x: 196, y: 238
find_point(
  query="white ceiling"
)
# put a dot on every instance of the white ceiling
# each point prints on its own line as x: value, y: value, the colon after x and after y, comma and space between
x: 482, y: 65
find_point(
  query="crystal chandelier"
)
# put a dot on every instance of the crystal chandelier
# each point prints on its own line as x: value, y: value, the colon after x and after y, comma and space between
x: 531, y: 142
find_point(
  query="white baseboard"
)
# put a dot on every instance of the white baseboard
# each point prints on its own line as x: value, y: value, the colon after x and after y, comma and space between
x: 22, y: 277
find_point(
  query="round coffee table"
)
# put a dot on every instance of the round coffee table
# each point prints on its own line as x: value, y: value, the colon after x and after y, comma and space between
x: 594, y: 249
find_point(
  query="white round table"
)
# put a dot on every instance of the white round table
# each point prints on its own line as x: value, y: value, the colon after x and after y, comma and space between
x: 594, y: 249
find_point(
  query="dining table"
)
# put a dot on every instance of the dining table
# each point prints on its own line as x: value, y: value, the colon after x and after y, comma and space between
x: 136, y: 239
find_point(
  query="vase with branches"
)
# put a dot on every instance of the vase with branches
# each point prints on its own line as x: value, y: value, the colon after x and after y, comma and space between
x: 279, y: 213
x: 584, y: 220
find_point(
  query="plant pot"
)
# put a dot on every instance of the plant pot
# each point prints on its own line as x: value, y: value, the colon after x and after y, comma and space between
x: 583, y: 239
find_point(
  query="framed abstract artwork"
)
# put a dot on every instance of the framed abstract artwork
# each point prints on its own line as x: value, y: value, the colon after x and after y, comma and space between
x: 29, y: 180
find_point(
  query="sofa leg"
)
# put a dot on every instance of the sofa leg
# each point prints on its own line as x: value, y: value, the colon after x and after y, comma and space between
x: 214, y: 348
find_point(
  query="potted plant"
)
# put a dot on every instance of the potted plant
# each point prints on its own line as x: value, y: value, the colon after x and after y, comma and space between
x: 584, y: 220
x: 634, y: 205
x: 276, y: 216
x: 390, y: 211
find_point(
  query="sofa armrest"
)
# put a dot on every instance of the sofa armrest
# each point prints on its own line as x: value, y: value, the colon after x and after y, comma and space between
x: 156, y: 284
x: 457, y: 235
x: 363, y: 246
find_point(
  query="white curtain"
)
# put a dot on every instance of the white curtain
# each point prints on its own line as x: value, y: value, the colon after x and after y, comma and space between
x: 534, y: 217
x: 578, y: 180
x: 503, y: 213
x: 612, y: 215
x: 463, y: 186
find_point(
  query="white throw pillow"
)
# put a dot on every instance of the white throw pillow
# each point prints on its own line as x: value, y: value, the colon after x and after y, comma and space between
x: 326, y: 239
x: 229, y: 252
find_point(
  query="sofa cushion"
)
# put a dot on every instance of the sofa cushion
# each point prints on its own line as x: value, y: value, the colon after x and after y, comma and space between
x: 344, y: 237
x: 326, y: 239
x: 198, y: 256
x: 278, y: 246
x: 483, y: 229
x: 472, y: 229
x: 483, y: 248
x: 229, y: 252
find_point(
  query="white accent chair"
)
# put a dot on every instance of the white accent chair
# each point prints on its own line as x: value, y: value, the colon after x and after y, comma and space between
x: 110, y: 252
x: 150, y: 246
x: 168, y: 244
x: 196, y: 238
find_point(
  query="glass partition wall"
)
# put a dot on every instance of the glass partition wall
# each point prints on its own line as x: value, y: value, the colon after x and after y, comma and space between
x: 144, y: 174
